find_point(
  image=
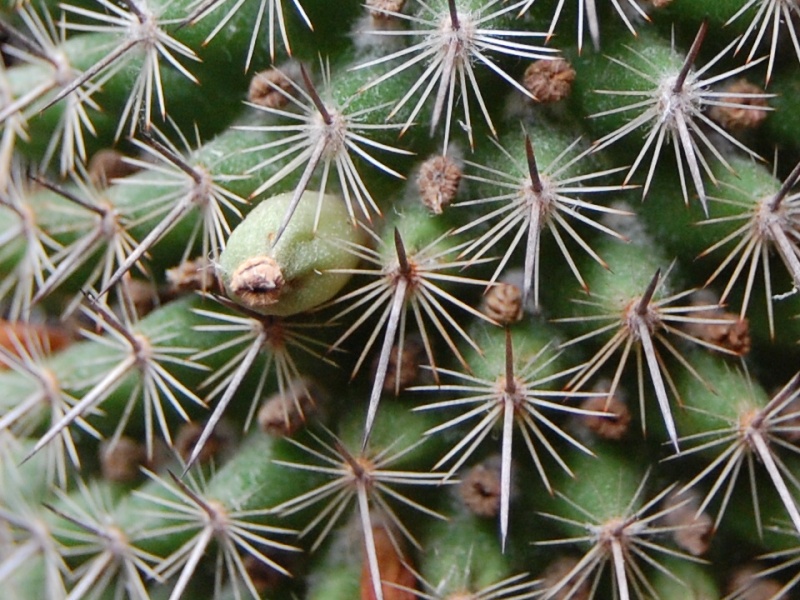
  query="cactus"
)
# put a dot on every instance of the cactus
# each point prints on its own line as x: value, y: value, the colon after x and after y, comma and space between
x: 399, y: 299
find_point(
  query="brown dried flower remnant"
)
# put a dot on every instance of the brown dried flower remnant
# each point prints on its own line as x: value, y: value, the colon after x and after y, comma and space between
x: 746, y: 111
x: 403, y: 369
x: 193, y: 275
x: 107, y: 165
x: 549, y: 80
x: 746, y: 584
x: 258, y: 282
x: 17, y: 337
x: 270, y: 88
x: 613, y: 427
x: 286, y: 412
x: 438, y: 181
x: 380, y: 9
x: 480, y: 488
x: 556, y: 571
x: 265, y: 578
x: 188, y: 435
x: 692, y: 531
x: 727, y: 330
x: 503, y: 303
x: 397, y: 579
x: 121, y: 460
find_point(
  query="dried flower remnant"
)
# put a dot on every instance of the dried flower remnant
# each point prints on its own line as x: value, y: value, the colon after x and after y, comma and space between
x: 555, y: 572
x: 502, y: 303
x: 382, y: 10
x: 107, y: 165
x: 270, y: 88
x: 674, y: 110
x: 451, y: 41
x: 616, y: 417
x: 481, y: 489
x: 746, y: 108
x: 122, y: 461
x: 730, y: 330
x: 264, y: 578
x: 437, y: 182
x: 748, y: 582
x: 285, y: 413
x: 193, y: 275
x: 257, y: 282
x: 403, y: 369
x: 549, y: 81
x: 211, y: 450
x: 782, y: 563
x: 692, y: 530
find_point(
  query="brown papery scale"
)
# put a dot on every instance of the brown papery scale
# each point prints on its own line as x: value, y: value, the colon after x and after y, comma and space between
x: 556, y: 571
x: 503, y: 303
x: 549, y: 80
x: 258, y: 282
x: 121, y: 461
x: 613, y: 427
x: 107, y: 165
x: 746, y: 584
x: 286, y: 412
x: 397, y: 579
x: 270, y: 88
x: 437, y: 182
x: 692, y: 531
x: 480, y: 488
x: 380, y: 9
x: 752, y: 112
x: 189, y: 434
x: 196, y: 274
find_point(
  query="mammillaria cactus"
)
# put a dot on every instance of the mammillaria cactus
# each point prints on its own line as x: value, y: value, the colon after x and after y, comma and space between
x: 399, y: 299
